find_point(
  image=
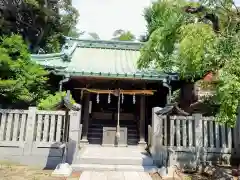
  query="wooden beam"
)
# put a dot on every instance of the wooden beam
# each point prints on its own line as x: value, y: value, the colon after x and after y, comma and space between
x: 129, y: 92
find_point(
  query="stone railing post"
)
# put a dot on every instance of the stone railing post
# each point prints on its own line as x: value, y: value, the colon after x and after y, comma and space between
x: 236, y: 136
x: 200, y: 150
x: 75, y: 131
x: 155, y: 140
x: 31, y: 123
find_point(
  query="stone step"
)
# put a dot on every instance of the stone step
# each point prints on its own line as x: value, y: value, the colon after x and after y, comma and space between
x: 112, y: 123
x: 98, y: 140
x: 141, y: 161
x: 95, y: 141
x: 129, y: 140
x: 101, y: 127
x: 133, y: 139
x: 100, y: 130
x: 132, y: 142
x: 130, y: 136
x: 123, y: 168
x: 104, y: 121
x: 94, y: 137
x: 113, y: 175
x: 97, y: 133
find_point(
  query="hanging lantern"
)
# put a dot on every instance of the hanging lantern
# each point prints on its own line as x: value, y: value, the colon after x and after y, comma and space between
x: 134, y: 99
x: 122, y: 98
x: 109, y: 98
x: 98, y: 100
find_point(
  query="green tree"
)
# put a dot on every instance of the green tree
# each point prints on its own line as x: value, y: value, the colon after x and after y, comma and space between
x: 74, y: 32
x: 94, y: 35
x: 122, y: 35
x: 42, y: 24
x: 21, y: 80
x: 52, y: 102
x: 193, y: 39
x: 63, y: 25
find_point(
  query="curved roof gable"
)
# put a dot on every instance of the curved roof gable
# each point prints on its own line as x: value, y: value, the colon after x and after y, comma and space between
x: 114, y: 59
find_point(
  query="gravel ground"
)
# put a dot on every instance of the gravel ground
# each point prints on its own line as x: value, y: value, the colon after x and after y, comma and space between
x: 10, y: 171
x: 214, y: 173
x: 156, y: 176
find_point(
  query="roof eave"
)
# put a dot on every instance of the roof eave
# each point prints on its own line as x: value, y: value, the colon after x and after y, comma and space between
x: 121, y: 76
x: 106, y: 44
x: 104, y: 41
x: 43, y: 57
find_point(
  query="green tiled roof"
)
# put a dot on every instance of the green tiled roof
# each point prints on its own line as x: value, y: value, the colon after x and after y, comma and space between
x: 50, y: 60
x: 116, y: 59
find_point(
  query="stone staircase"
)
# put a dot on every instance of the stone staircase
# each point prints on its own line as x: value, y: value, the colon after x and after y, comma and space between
x: 95, y: 131
x: 98, y: 158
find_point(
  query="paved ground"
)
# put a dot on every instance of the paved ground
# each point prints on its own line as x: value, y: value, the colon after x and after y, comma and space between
x: 96, y: 156
x: 113, y: 175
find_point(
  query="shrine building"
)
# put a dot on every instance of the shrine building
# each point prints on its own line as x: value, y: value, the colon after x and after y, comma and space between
x: 116, y: 97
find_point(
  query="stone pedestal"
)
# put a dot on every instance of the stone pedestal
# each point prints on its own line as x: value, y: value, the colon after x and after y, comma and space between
x: 109, y: 138
x: 75, y: 131
x: 62, y: 170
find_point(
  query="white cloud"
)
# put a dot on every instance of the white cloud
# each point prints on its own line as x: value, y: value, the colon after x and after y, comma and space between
x: 106, y: 16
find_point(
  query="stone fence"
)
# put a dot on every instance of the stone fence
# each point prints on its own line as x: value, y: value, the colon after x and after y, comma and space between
x: 191, y: 141
x: 35, y: 137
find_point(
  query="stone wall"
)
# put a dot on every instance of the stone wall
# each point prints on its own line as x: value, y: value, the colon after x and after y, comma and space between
x: 191, y: 141
x: 35, y: 137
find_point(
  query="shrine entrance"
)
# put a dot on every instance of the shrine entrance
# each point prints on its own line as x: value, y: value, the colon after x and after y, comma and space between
x: 115, y: 117
x: 105, y: 113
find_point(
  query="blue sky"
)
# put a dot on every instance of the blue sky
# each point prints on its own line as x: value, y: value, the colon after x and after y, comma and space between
x: 106, y: 16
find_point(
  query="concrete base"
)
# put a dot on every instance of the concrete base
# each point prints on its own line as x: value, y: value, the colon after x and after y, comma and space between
x: 83, y: 142
x: 94, y: 175
x: 119, y: 168
x: 112, y: 145
x: 162, y: 171
x: 142, y: 144
x: 114, y: 159
x: 62, y: 170
x: 168, y: 172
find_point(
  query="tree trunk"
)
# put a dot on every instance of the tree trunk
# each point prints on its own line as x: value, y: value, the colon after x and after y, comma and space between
x: 188, y: 96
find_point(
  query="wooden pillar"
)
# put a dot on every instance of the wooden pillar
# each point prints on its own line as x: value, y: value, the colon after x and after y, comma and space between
x: 142, y: 122
x: 85, y: 117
